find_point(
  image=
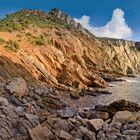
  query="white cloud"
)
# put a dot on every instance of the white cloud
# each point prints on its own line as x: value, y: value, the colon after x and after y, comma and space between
x: 115, y: 28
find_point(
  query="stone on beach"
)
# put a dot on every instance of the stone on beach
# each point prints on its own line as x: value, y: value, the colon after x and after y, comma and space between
x: 17, y: 86
x: 96, y: 124
x: 126, y: 116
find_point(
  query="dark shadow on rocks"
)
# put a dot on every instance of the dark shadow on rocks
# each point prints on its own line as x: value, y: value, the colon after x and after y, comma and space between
x: 9, y: 69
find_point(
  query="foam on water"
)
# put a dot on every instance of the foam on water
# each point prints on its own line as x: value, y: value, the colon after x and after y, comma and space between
x: 131, y: 80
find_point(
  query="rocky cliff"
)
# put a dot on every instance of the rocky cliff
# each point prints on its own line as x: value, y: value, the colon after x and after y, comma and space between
x: 54, y: 49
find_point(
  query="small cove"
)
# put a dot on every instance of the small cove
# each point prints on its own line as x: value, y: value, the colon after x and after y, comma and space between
x: 128, y: 90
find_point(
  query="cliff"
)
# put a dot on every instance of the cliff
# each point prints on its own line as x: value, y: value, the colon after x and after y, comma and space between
x: 52, y: 48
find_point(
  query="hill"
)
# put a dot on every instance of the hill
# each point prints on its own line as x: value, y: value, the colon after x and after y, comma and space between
x: 52, y: 48
x: 46, y: 58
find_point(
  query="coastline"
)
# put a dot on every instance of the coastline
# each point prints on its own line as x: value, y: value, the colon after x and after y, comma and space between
x: 41, y: 113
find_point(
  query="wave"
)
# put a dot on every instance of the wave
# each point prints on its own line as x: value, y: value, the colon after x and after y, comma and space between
x: 131, y: 80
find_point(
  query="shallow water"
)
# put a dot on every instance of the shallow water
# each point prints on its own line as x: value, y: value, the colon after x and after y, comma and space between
x: 129, y: 90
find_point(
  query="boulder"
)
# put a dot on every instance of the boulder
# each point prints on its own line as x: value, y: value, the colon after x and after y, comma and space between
x: 62, y: 124
x: 67, y: 112
x: 3, y: 101
x: 99, y: 115
x: 53, y: 102
x: 90, y: 136
x: 65, y: 136
x: 120, y: 105
x: 116, y: 125
x: 41, y: 133
x: 75, y: 95
x: 126, y: 116
x: 96, y: 124
x: 31, y: 117
x: 17, y: 86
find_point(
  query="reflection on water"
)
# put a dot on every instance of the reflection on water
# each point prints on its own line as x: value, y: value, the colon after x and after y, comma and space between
x: 129, y: 90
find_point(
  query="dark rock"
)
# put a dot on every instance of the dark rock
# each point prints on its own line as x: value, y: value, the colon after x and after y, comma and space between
x: 90, y: 136
x: 75, y: 95
x: 120, y: 105
x: 116, y: 125
x: 41, y: 133
x: 65, y: 136
x: 67, y: 112
x: 62, y: 124
x: 31, y: 117
x: 124, y: 105
x: 14, y: 100
x: 53, y: 102
x: 99, y: 115
x: 94, y: 114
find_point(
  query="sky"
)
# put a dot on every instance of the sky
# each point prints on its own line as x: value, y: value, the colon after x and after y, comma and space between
x: 109, y: 18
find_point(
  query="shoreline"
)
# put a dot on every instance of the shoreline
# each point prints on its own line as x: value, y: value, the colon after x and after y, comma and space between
x: 40, y: 113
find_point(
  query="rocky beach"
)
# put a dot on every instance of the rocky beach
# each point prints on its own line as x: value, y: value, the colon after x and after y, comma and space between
x: 38, y: 113
x: 55, y: 78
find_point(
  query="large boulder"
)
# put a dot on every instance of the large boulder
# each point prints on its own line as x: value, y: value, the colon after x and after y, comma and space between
x: 126, y: 116
x: 94, y: 114
x: 124, y: 105
x: 96, y: 124
x: 17, y: 86
x: 41, y: 133
x: 53, y: 102
x: 120, y: 105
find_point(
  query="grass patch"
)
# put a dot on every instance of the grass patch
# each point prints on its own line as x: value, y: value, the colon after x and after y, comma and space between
x: 2, y: 41
x: 12, y: 46
x: 37, y: 40
x: 21, y: 20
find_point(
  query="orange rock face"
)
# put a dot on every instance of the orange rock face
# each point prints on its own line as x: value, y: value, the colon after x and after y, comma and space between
x: 65, y: 58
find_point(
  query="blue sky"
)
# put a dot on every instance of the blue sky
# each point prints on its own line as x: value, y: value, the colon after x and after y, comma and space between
x: 99, y: 11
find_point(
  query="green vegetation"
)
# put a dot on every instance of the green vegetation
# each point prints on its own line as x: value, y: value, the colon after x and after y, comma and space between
x: 12, y: 46
x: 2, y: 41
x: 49, y: 41
x: 60, y: 35
x: 40, y: 40
x: 68, y: 27
x: 36, y: 40
x: 22, y: 19
x: 133, y: 48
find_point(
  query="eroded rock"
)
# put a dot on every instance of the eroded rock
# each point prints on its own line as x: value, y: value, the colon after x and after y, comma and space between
x: 41, y: 133
x: 67, y: 112
x: 126, y: 116
x: 17, y: 86
x: 96, y: 124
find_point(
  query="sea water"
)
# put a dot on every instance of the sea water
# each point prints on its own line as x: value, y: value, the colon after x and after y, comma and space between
x: 128, y: 90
